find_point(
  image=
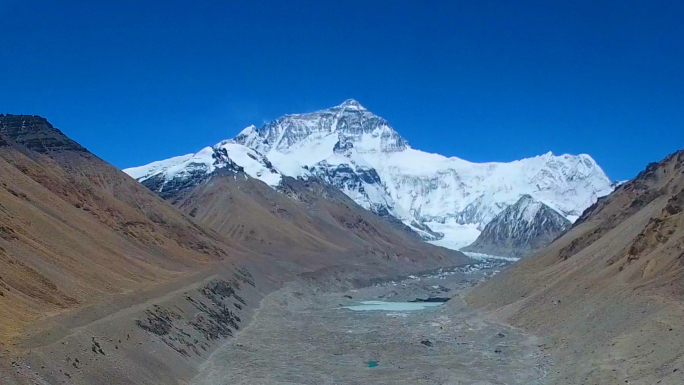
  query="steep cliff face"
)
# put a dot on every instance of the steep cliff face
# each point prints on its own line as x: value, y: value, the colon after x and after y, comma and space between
x: 445, y: 200
x: 520, y: 229
x: 609, y: 293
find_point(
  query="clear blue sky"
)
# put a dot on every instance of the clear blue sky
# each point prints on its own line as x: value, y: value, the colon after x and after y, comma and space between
x: 137, y: 81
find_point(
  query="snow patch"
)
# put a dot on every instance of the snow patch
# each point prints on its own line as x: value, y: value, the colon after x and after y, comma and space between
x: 255, y: 164
x: 144, y: 172
x: 456, y: 236
x: 485, y: 257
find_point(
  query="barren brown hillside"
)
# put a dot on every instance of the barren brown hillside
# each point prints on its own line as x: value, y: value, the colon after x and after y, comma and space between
x: 609, y: 293
x: 307, y: 223
x: 74, y: 229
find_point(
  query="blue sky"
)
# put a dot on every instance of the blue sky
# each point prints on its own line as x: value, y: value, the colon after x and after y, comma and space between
x: 138, y: 81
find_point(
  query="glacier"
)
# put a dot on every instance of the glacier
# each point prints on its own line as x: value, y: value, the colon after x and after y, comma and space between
x: 447, y: 200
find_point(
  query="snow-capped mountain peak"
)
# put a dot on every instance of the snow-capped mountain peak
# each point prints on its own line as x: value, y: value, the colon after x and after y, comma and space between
x: 352, y: 104
x: 193, y: 168
x: 520, y: 229
x: 360, y: 152
x: 348, y: 122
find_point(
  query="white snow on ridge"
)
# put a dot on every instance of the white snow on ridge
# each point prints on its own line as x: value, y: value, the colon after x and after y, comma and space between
x: 288, y: 165
x: 144, y: 172
x: 443, y: 193
x: 435, y: 185
x: 253, y: 163
x: 530, y: 209
x: 484, y: 257
x: 440, y: 190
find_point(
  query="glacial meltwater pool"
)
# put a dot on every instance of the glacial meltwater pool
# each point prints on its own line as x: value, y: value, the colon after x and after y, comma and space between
x: 372, y: 364
x: 392, y: 306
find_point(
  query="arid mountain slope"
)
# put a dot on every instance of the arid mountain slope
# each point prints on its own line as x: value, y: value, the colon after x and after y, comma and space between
x: 609, y: 293
x: 74, y: 229
x: 308, y: 223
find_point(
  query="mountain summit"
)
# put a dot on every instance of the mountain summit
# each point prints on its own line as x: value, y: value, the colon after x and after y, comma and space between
x: 348, y: 123
x: 352, y: 104
x: 447, y: 200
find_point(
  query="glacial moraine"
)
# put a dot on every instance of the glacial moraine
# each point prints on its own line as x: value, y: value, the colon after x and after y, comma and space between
x: 301, y: 335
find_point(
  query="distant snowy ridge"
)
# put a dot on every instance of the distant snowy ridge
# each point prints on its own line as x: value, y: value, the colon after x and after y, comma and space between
x: 360, y: 153
x: 181, y: 170
x: 144, y: 172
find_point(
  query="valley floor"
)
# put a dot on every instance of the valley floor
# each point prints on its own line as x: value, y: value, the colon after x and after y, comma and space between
x: 301, y: 335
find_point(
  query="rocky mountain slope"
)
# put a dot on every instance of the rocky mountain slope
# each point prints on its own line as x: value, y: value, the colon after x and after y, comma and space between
x: 446, y: 200
x: 74, y: 229
x: 102, y: 281
x: 520, y: 229
x: 305, y: 223
x: 609, y: 294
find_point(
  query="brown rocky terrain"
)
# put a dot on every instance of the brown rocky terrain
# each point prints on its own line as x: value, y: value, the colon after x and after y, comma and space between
x: 102, y: 281
x: 319, y: 223
x: 74, y: 229
x: 609, y: 292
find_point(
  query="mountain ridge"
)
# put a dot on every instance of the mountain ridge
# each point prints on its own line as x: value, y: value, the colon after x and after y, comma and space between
x: 447, y: 200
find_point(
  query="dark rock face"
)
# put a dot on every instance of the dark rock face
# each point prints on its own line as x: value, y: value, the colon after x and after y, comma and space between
x: 168, y: 189
x: 520, y: 229
x: 36, y: 133
x: 214, y: 319
x: 431, y: 300
x: 343, y: 176
x: 343, y: 146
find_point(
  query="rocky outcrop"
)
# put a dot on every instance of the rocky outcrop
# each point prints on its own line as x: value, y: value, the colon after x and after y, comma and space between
x: 37, y: 134
x: 520, y: 229
x: 350, y: 120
